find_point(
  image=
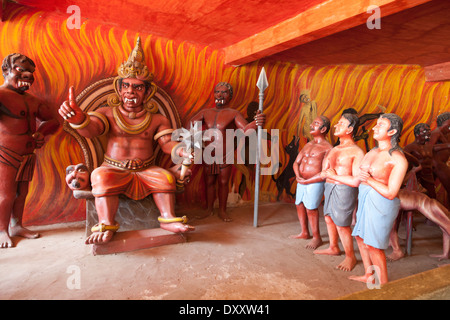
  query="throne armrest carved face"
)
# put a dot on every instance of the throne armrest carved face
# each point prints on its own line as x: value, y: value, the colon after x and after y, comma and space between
x: 96, y: 96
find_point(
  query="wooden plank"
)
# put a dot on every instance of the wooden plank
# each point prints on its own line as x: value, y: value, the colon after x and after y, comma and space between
x: 137, y: 240
x: 438, y: 72
x: 418, y: 286
x: 320, y: 21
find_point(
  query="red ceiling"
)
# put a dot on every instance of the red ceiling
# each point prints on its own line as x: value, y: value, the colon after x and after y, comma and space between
x: 215, y: 23
x: 419, y: 35
x: 298, y: 31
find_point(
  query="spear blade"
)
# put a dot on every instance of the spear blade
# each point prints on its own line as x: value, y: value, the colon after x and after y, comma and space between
x: 262, y: 83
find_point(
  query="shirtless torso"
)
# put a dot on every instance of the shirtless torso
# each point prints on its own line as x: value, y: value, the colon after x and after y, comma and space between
x: 18, y: 115
x: 222, y: 119
x: 20, y: 135
x: 343, y: 160
x: 218, y: 169
x: 131, y: 130
x: 307, y: 168
x: 382, y: 170
x: 118, y: 146
x: 339, y: 167
x: 422, y: 151
x: 309, y: 160
x: 387, y: 171
x: 441, y: 136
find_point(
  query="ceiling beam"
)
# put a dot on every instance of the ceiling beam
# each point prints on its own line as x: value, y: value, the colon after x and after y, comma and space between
x: 317, y: 22
x: 438, y: 72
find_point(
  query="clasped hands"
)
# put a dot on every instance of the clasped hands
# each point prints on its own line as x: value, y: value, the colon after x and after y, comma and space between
x: 328, y: 173
x: 364, y: 174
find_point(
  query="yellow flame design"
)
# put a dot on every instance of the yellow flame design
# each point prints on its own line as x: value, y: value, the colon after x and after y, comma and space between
x: 188, y: 73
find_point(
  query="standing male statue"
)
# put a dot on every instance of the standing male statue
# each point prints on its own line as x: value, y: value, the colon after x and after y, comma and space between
x: 422, y: 151
x: 381, y: 173
x: 341, y: 190
x: 131, y: 128
x: 310, y: 185
x: 439, y: 136
x: 222, y: 118
x: 20, y: 136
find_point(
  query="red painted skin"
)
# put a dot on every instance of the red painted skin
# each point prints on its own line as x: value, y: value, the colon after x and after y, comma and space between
x: 20, y: 136
x: 307, y: 168
x: 123, y: 146
x: 222, y: 118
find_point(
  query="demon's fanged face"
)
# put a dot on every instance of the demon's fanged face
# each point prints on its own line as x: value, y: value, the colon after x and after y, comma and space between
x: 19, y: 76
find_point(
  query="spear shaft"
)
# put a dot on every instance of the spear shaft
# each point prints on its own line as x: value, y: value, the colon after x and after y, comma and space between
x: 262, y: 84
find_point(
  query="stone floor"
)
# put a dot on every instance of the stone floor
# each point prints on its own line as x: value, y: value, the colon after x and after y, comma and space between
x: 219, y: 261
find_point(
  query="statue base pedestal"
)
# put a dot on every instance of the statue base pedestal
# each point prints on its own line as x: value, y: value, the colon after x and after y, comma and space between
x: 131, y: 214
x: 137, y: 239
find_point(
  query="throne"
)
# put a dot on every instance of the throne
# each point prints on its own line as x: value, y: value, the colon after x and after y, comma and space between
x: 137, y: 219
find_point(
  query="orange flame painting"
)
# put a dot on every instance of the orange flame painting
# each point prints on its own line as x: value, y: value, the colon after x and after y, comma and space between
x: 188, y: 73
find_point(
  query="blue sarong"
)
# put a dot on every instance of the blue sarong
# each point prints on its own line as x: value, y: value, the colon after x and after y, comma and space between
x: 310, y: 194
x: 375, y: 217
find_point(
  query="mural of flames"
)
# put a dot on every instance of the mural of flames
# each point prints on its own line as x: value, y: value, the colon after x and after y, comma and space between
x: 188, y: 73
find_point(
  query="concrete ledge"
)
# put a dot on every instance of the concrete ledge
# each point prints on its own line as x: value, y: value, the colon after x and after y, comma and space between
x: 136, y: 240
x: 420, y: 286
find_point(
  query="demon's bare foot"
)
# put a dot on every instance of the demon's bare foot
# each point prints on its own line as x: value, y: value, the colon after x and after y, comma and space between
x: 102, y: 233
x: 20, y: 231
x: 177, y: 227
x: 5, y: 240
x: 175, y: 224
x: 100, y: 237
x: 225, y: 217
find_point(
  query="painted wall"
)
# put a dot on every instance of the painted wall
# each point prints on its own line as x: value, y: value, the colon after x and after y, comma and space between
x: 188, y: 74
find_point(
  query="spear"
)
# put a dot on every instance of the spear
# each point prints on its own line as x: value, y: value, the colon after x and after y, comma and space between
x: 262, y: 84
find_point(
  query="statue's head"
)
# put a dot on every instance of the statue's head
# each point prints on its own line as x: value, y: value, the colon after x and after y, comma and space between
x: 319, y: 126
x: 134, y: 84
x: 346, y: 125
x: 78, y: 177
x: 305, y: 96
x: 442, y: 118
x: 223, y: 92
x: 18, y: 72
x: 394, y: 125
x: 422, y: 132
x: 132, y: 92
x: 325, y: 124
